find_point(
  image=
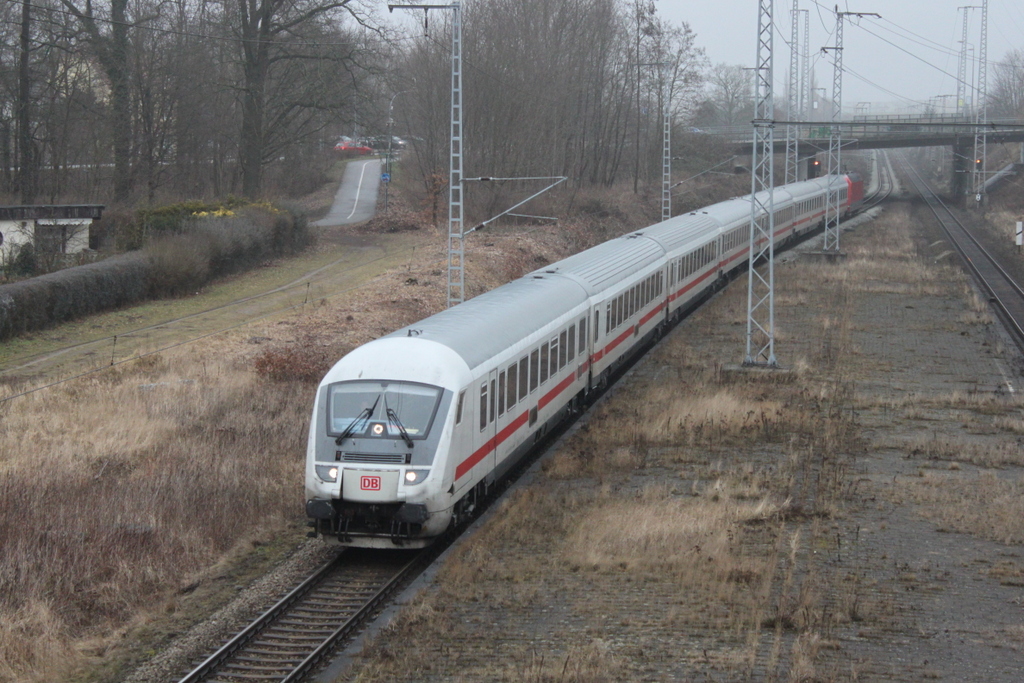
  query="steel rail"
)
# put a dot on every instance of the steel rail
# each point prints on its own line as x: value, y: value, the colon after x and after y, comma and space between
x: 1004, y: 292
x: 253, y: 629
x: 350, y: 621
x: 356, y: 620
x: 885, y: 187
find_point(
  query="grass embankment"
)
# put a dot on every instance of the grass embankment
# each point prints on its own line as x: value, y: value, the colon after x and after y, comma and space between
x: 699, y: 527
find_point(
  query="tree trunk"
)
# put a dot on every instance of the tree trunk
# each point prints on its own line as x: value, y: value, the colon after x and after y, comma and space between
x: 28, y: 172
x: 256, y: 20
x: 120, y: 96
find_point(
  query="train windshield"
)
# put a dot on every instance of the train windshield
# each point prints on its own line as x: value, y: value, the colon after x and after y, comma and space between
x: 381, y: 409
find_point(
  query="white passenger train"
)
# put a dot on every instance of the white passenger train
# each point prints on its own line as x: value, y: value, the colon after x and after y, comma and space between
x: 409, y: 430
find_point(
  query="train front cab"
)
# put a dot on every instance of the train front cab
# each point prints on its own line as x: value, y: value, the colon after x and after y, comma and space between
x: 376, y: 462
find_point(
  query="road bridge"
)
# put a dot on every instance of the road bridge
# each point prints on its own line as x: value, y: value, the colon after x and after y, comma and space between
x: 886, y: 132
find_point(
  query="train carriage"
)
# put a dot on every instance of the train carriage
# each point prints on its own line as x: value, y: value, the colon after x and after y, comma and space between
x: 408, y: 430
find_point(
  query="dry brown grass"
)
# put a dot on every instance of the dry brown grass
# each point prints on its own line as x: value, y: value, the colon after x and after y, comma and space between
x: 117, y: 491
x: 984, y: 505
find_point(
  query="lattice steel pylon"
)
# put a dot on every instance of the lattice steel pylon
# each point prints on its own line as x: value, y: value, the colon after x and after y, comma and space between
x: 980, y: 139
x: 666, y: 164
x: 805, y: 90
x: 835, y: 144
x: 961, y: 76
x: 833, y: 203
x: 456, y: 236
x: 793, y: 103
x: 761, y: 288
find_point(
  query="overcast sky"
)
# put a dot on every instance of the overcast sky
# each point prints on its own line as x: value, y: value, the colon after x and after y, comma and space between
x: 914, y: 42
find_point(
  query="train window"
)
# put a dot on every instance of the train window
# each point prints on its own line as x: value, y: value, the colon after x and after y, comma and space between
x: 513, y: 382
x: 490, y: 404
x: 534, y: 367
x: 544, y: 360
x: 583, y: 334
x: 501, y: 393
x: 561, y: 349
x: 458, y: 407
x: 597, y: 325
x: 622, y: 309
x: 633, y: 298
x: 609, y: 321
x: 483, y: 406
x: 570, y: 346
x: 554, y: 356
x: 672, y: 274
x: 524, y: 376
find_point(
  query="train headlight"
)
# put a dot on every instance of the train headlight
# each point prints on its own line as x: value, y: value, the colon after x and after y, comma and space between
x: 327, y: 472
x: 415, y: 476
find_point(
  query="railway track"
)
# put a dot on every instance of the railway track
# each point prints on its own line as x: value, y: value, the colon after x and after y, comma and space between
x: 297, y: 634
x: 885, y: 183
x: 1004, y: 293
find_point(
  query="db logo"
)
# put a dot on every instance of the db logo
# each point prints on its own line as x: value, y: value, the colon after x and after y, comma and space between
x: 369, y: 483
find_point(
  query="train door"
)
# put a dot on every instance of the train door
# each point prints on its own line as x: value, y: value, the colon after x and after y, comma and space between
x: 480, y: 458
x: 488, y: 440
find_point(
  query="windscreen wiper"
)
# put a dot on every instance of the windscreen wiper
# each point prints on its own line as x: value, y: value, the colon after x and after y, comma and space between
x: 364, y: 415
x: 392, y: 415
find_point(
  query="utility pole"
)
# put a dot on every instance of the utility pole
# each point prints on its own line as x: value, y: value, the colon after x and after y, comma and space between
x: 805, y: 91
x: 387, y: 161
x: 832, y: 205
x: 980, y: 139
x: 761, y: 289
x: 792, y: 137
x: 961, y: 77
x: 666, y: 163
x: 456, y: 237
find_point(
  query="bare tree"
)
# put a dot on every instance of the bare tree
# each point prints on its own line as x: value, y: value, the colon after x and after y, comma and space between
x: 729, y: 100
x: 270, y: 55
x: 1006, y: 98
x: 109, y: 38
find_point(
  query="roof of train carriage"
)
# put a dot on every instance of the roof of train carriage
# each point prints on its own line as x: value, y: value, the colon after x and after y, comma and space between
x: 682, y: 230
x: 486, y: 325
x: 736, y: 209
x: 601, y: 267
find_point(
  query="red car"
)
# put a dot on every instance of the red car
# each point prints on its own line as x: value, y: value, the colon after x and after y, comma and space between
x: 352, y: 148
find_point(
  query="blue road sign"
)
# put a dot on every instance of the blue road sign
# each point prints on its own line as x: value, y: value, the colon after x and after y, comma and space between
x: 385, y: 177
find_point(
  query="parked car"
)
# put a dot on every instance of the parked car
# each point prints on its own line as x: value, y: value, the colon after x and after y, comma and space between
x: 348, y: 147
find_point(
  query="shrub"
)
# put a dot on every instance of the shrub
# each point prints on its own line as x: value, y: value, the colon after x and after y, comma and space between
x: 24, y: 263
x: 306, y: 360
x: 177, y: 262
x: 57, y: 297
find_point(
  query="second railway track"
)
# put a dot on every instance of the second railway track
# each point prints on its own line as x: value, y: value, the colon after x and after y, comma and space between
x: 1003, y: 291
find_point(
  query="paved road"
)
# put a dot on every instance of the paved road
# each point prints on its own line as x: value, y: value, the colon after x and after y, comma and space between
x: 356, y: 199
